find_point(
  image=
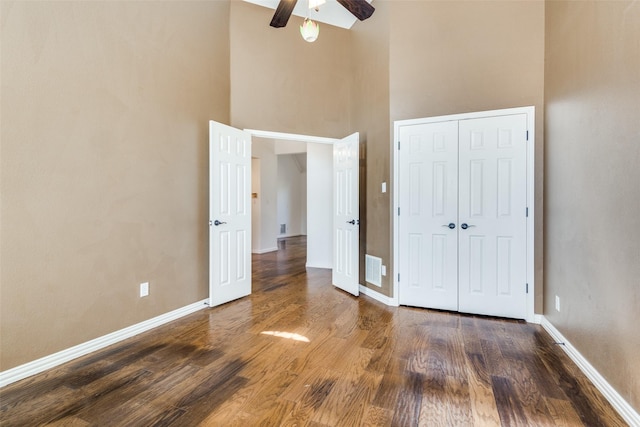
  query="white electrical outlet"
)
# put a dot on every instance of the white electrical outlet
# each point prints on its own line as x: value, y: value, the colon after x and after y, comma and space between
x: 383, y: 270
x: 384, y: 187
x: 144, y: 289
x: 557, y: 303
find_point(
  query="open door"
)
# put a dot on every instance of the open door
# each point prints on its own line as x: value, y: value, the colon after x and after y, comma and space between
x: 346, y: 223
x: 229, y: 213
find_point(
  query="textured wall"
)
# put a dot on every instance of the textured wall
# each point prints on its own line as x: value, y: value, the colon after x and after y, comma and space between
x: 450, y: 57
x: 290, y: 184
x: 370, y: 116
x: 592, y: 245
x: 281, y: 83
x: 104, y: 164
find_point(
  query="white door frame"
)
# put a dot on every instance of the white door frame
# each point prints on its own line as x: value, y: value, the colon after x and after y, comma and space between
x: 287, y: 137
x: 530, y: 112
x: 291, y: 136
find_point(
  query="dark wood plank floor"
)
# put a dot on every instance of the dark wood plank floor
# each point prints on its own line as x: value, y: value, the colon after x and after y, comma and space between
x: 300, y: 352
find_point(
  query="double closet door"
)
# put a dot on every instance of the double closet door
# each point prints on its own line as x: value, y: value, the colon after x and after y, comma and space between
x: 463, y: 211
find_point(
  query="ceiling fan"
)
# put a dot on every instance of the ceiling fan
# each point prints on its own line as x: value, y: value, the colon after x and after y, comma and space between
x: 361, y: 9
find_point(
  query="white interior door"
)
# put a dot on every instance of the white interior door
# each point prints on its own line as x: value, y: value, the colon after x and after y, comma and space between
x: 492, y: 216
x: 346, y: 223
x: 428, y: 253
x: 229, y: 213
x: 469, y: 174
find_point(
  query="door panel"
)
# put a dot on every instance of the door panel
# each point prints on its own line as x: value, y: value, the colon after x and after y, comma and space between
x: 492, y: 250
x: 428, y: 170
x: 229, y: 240
x: 346, y: 224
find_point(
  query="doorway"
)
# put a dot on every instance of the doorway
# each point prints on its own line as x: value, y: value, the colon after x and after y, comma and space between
x: 288, y: 171
x: 333, y: 237
x: 231, y: 186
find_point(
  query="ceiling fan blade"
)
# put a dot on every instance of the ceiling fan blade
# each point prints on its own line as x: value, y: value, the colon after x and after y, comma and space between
x: 361, y: 9
x: 283, y: 13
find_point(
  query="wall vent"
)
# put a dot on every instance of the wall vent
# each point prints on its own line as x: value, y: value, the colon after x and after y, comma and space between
x: 283, y: 228
x: 373, y: 267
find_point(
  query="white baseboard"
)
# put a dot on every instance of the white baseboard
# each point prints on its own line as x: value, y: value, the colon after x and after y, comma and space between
x: 326, y: 267
x: 618, y: 402
x: 537, y: 319
x: 264, y: 251
x: 378, y: 296
x: 284, y: 236
x: 28, y: 369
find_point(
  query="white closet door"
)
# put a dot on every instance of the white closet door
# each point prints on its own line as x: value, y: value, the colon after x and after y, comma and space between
x: 428, y: 178
x: 492, y: 216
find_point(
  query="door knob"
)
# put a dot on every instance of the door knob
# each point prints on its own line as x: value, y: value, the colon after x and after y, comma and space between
x: 352, y: 222
x: 450, y: 225
x: 217, y: 223
x: 464, y: 226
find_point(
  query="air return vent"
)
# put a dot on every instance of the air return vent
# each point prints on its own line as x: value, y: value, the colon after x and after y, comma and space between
x: 373, y: 272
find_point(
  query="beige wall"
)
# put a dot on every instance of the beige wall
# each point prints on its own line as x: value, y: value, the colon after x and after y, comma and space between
x: 281, y: 83
x: 592, y: 245
x: 454, y: 57
x: 370, y: 116
x: 104, y: 164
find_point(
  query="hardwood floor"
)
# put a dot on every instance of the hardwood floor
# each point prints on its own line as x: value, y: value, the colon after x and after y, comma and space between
x: 300, y: 352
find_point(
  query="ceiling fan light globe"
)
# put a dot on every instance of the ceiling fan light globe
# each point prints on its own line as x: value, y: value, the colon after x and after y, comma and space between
x: 309, y: 30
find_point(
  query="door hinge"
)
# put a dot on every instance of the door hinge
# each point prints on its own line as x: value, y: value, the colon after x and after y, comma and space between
x: 527, y: 213
x: 527, y: 135
x: 398, y: 211
x: 527, y: 288
x: 398, y: 145
x: 398, y: 277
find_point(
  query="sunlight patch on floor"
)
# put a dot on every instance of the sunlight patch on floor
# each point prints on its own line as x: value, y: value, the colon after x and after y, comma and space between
x: 288, y: 335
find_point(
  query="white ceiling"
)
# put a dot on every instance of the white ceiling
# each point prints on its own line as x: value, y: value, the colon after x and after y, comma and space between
x: 332, y: 12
